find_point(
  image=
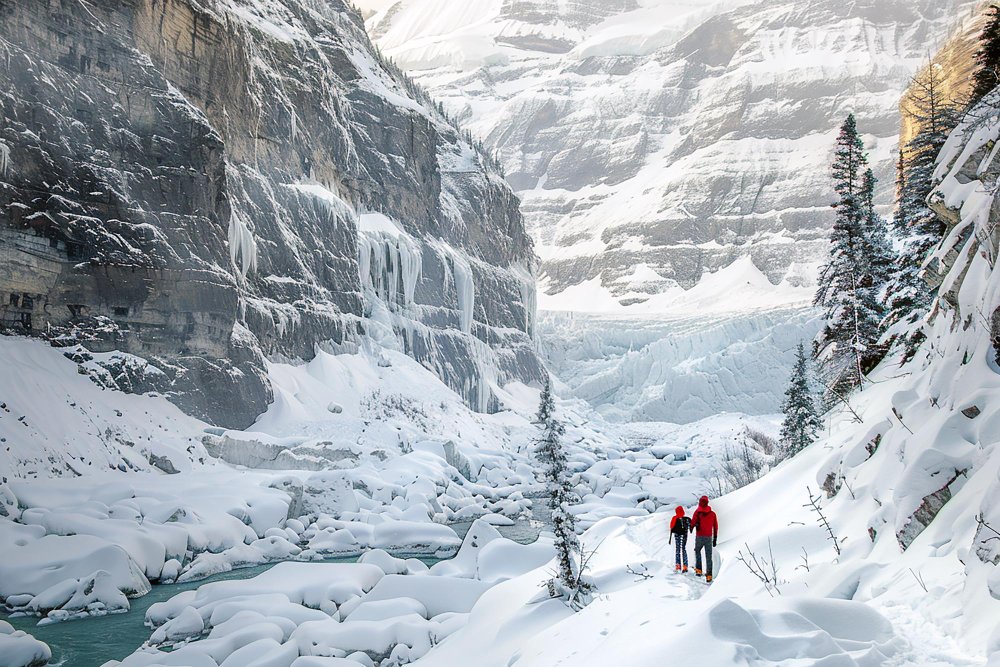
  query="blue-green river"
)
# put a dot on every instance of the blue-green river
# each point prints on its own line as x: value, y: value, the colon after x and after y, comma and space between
x: 90, y: 642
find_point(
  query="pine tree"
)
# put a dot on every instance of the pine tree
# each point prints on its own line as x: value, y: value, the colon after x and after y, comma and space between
x: 848, y: 347
x: 987, y: 74
x: 570, y: 582
x: 933, y: 115
x: 801, y: 421
x: 878, y: 251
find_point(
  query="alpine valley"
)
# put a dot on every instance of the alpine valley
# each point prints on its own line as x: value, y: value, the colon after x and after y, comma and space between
x: 398, y: 334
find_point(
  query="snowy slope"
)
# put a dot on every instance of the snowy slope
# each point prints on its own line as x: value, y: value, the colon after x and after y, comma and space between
x: 56, y: 421
x: 652, y: 140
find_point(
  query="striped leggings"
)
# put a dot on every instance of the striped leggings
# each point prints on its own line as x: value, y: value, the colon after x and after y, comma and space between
x: 682, y: 554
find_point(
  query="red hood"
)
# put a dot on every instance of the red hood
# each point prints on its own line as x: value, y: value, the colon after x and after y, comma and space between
x: 703, y: 503
x: 679, y: 511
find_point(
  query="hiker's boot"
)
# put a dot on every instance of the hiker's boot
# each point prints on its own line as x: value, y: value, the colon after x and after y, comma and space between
x: 697, y: 572
x: 678, y: 567
x: 708, y: 578
x: 685, y: 569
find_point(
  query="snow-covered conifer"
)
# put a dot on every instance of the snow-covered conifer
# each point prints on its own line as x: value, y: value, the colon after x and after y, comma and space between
x: 848, y: 345
x: 801, y: 421
x: 570, y: 582
x: 877, y: 249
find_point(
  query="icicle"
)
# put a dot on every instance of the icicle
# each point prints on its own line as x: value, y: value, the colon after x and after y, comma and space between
x: 411, y: 264
x: 459, y: 271
x: 389, y: 260
x: 529, y: 296
x: 242, y: 245
x: 466, y: 290
x: 4, y: 159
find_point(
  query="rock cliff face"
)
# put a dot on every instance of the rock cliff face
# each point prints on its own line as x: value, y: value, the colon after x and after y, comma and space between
x: 665, y: 138
x: 207, y: 183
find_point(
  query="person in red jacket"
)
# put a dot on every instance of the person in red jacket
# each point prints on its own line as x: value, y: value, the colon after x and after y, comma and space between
x: 680, y: 525
x: 705, y: 525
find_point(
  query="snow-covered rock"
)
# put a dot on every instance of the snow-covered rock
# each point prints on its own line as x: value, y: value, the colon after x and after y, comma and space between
x: 69, y: 573
x: 19, y: 649
x: 378, y: 609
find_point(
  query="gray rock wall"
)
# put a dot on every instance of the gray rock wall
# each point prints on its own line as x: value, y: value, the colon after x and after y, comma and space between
x: 181, y: 179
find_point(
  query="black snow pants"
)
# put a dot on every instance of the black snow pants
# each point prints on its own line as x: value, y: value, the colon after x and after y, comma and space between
x: 706, y: 544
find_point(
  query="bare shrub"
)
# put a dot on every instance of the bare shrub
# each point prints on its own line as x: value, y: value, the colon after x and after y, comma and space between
x: 748, y: 460
x: 765, y: 568
x: 765, y: 443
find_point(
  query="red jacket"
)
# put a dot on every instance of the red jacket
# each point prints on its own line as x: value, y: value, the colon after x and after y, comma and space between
x: 704, y: 520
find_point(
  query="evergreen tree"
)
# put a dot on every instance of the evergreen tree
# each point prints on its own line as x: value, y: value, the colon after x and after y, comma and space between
x: 933, y: 116
x: 570, y: 583
x: 987, y: 74
x: 877, y: 250
x: 848, y: 345
x: 801, y: 421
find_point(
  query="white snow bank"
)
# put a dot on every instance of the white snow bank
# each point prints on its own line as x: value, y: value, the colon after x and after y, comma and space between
x: 645, y: 612
x: 489, y: 557
x: 19, y: 649
x: 68, y: 573
x: 55, y: 421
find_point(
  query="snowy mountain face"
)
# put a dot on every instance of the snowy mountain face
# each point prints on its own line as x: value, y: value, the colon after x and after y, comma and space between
x: 654, y: 140
x: 203, y: 185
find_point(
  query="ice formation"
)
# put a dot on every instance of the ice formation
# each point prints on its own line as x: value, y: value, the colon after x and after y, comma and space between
x: 242, y: 244
x: 529, y: 298
x: 459, y: 274
x: 389, y: 259
x: 4, y: 159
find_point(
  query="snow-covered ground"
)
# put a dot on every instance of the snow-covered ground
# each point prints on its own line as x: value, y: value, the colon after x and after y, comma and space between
x: 877, y: 545
x: 104, y: 494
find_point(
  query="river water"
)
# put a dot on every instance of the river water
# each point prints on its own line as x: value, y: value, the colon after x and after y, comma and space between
x: 90, y: 642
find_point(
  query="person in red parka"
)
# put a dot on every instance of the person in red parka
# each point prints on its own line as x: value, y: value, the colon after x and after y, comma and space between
x: 680, y: 525
x: 705, y: 525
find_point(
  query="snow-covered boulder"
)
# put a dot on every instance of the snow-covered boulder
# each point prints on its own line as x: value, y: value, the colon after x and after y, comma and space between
x: 70, y: 573
x: 19, y: 649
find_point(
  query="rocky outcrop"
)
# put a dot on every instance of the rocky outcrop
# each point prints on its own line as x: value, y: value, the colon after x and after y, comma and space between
x: 929, y: 507
x: 192, y: 182
x: 664, y: 141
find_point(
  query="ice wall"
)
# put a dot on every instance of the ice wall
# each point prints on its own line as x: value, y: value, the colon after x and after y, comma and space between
x: 677, y: 369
